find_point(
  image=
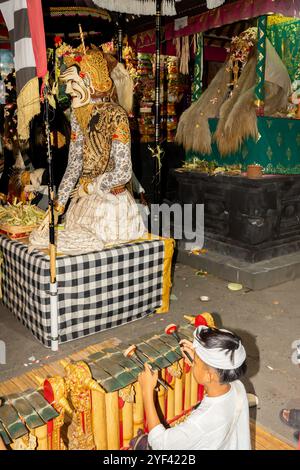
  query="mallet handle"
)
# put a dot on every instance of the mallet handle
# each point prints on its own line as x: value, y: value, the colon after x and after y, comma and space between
x: 176, y: 336
x: 139, y: 360
x: 188, y: 356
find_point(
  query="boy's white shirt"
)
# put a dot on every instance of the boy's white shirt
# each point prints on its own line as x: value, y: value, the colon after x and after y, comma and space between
x: 219, y: 423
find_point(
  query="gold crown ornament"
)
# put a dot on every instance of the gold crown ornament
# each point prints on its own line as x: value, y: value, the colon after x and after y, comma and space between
x: 241, y: 45
x: 91, y: 61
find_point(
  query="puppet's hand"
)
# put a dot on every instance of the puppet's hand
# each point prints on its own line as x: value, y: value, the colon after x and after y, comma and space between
x: 44, y: 226
x: 78, y: 192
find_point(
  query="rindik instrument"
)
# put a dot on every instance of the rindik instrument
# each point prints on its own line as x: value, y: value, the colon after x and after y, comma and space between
x: 96, y: 403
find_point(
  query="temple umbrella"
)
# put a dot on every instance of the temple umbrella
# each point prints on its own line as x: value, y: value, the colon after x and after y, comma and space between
x: 147, y: 7
x: 62, y: 20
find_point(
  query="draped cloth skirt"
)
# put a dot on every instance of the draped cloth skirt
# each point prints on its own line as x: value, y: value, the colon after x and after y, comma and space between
x: 94, y: 221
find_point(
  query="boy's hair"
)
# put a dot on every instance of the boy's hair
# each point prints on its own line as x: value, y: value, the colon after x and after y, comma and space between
x: 212, y: 338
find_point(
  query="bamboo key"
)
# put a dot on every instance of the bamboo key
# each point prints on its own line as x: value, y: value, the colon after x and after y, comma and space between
x: 172, y: 330
x: 131, y: 352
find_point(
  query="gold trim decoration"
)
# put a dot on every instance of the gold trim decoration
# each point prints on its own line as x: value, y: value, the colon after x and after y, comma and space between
x: 167, y: 283
x: 279, y: 19
x: 81, y: 11
x: 127, y: 394
x: 59, y: 208
x: 175, y: 370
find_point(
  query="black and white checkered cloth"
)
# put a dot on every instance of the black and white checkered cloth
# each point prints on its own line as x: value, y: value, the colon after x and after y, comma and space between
x: 96, y: 291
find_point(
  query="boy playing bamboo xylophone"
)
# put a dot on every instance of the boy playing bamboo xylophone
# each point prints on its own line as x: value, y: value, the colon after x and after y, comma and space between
x: 221, y: 421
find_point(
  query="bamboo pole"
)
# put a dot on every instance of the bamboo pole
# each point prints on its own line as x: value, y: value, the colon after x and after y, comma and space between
x: 99, y: 420
x: 171, y: 401
x: 127, y: 419
x: 113, y: 420
x: 41, y: 435
x: 187, y: 389
x: 194, y: 391
x: 178, y: 392
x: 138, y: 410
x: 52, y: 247
x: 161, y: 395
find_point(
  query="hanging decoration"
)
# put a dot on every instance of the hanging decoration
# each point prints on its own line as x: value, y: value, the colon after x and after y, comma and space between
x: 239, y: 51
x: 157, y: 152
x: 214, y: 3
x: 198, y: 67
x: 185, y: 56
x: 138, y: 7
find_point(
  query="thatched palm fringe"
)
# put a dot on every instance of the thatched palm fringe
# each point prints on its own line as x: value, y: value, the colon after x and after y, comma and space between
x: 276, y: 100
x: 238, y: 115
x: 193, y: 129
x: 28, y: 103
x: 124, y: 86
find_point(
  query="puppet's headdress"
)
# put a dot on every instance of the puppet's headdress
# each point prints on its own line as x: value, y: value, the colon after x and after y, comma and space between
x: 104, y: 70
x: 91, y: 61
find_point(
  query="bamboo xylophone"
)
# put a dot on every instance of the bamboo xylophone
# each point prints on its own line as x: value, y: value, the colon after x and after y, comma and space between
x: 97, y: 399
x: 119, y: 413
x: 16, y: 429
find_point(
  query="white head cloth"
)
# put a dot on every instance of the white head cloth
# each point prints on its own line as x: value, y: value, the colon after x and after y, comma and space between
x: 219, y: 358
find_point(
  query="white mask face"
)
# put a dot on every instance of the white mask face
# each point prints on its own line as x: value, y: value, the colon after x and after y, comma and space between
x: 76, y: 87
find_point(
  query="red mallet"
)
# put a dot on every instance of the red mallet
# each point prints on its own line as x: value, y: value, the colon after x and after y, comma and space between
x: 172, y: 330
x: 131, y: 352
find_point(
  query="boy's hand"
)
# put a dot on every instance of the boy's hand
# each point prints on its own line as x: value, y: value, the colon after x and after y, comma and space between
x: 148, y: 378
x: 187, y: 346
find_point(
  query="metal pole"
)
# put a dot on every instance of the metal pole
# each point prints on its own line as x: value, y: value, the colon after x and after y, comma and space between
x: 52, y: 248
x: 157, y: 96
x: 120, y: 39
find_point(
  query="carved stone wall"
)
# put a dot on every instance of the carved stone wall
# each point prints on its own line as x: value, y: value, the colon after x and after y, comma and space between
x: 251, y: 219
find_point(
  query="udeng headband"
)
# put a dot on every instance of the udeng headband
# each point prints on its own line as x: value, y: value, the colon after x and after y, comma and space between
x: 219, y: 358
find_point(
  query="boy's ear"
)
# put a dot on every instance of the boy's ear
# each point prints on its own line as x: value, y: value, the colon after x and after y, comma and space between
x: 213, y: 375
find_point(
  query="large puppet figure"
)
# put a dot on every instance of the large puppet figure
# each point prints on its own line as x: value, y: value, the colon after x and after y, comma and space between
x: 102, y: 211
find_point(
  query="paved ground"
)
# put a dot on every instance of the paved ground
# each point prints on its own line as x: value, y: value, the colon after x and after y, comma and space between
x: 268, y: 322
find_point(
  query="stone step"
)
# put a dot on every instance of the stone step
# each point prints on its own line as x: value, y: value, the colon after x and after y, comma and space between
x: 255, y: 276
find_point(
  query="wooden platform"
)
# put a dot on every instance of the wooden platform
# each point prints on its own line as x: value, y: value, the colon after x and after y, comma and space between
x: 260, y: 437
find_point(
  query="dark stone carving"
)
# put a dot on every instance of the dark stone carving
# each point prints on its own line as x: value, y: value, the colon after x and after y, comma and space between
x: 251, y: 219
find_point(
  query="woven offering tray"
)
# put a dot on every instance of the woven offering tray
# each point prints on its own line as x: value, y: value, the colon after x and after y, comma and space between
x: 17, y: 231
